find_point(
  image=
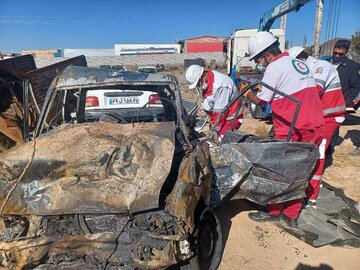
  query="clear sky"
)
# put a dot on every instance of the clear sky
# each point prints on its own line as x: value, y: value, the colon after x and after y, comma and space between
x: 45, y: 24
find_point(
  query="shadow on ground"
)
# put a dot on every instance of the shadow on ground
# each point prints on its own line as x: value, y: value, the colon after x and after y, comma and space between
x: 309, y: 267
x: 227, y: 210
x: 354, y: 136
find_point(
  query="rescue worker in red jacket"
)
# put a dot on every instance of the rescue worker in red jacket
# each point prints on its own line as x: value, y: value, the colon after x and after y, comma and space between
x: 333, y: 106
x: 217, y: 91
x: 294, y: 78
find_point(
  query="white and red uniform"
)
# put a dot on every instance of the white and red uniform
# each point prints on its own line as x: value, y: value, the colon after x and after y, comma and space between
x: 333, y: 107
x: 221, y: 90
x: 292, y: 77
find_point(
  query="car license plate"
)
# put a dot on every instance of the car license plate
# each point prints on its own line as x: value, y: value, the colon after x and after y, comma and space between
x: 123, y: 100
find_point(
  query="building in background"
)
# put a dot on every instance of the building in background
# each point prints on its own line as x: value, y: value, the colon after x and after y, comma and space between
x: 204, y: 44
x: 131, y: 49
x: 44, y: 54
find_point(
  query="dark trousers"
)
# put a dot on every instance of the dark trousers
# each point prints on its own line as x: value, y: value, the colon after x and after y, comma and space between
x: 333, y: 142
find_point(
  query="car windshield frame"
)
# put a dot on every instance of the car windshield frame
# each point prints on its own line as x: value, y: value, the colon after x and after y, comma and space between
x: 167, y: 97
x: 75, y: 79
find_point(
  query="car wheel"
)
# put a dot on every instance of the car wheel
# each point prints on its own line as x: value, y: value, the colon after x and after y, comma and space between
x: 209, y: 243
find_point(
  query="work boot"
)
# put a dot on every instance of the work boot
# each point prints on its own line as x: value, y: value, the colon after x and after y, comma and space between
x: 290, y: 222
x: 261, y: 216
x: 311, y: 203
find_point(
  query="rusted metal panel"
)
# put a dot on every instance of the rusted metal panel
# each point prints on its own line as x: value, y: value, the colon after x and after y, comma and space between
x: 41, y: 78
x: 13, y: 132
x: 193, y: 184
x: 23, y: 63
x: 90, y: 168
x: 15, y: 74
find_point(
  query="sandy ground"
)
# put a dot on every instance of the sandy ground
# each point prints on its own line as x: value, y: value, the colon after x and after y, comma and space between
x: 259, y: 246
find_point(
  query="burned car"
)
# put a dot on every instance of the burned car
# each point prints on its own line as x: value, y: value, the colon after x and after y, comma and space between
x: 135, y: 193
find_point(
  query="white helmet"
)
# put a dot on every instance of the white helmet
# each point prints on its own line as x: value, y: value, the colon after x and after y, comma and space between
x: 193, y: 75
x: 295, y: 51
x: 259, y: 42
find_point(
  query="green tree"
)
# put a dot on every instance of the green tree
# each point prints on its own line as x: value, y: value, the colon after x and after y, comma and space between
x: 355, y: 41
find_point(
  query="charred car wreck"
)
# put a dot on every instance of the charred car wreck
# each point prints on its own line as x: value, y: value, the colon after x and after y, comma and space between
x: 121, y: 191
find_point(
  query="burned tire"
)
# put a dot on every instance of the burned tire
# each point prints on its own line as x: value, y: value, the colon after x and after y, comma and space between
x: 209, y: 243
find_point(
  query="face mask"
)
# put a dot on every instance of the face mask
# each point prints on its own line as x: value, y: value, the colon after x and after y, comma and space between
x: 259, y: 67
x: 204, y: 86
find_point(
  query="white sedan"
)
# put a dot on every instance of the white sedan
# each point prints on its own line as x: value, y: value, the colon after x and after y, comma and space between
x: 126, y: 105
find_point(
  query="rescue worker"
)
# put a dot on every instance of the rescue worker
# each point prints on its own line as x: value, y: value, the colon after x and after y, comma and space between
x: 333, y: 107
x: 294, y: 78
x: 217, y: 91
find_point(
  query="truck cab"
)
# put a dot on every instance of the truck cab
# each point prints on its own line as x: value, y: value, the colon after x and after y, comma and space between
x: 238, y: 47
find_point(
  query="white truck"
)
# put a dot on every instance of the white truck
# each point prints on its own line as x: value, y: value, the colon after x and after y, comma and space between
x: 238, y: 47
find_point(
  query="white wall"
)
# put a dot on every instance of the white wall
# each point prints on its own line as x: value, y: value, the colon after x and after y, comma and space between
x: 123, y: 49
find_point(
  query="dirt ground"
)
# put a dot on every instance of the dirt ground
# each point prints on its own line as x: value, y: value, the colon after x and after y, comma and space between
x: 259, y: 246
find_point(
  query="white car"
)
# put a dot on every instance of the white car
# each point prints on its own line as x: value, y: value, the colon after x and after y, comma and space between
x: 119, y: 67
x: 147, y: 69
x: 125, y: 105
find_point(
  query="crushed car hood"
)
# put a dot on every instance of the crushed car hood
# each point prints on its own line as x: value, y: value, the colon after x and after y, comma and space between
x: 89, y: 168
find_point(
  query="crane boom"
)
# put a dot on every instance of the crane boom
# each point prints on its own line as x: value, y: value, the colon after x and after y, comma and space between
x: 270, y: 16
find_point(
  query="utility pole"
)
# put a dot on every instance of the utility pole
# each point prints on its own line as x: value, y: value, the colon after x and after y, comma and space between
x: 318, y: 22
x: 283, y: 23
x: 305, y: 41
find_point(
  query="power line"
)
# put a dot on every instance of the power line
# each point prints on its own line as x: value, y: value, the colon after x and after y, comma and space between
x: 337, y: 19
x: 333, y: 20
x: 327, y: 26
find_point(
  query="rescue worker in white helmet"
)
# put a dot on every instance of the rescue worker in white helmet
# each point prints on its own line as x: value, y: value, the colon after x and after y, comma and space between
x: 333, y: 107
x: 293, y: 77
x: 217, y: 91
